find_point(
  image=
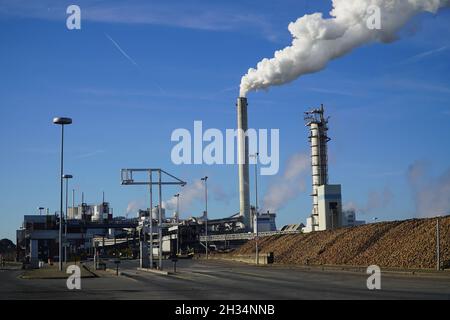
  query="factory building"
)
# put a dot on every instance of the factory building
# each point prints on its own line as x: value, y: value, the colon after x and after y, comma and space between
x: 350, y: 218
x: 329, y: 204
x: 38, y: 238
x: 266, y: 221
x: 155, y: 213
x: 86, y: 212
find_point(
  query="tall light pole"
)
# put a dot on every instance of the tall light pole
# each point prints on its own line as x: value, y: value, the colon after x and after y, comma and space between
x: 256, y: 206
x: 73, y: 200
x: 62, y: 122
x: 438, y: 246
x: 177, y: 219
x: 160, y: 220
x: 205, y: 180
x: 66, y: 177
x: 150, y: 187
x: 40, y: 210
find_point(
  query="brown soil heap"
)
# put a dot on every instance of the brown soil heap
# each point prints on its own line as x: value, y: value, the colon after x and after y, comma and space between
x: 401, y: 244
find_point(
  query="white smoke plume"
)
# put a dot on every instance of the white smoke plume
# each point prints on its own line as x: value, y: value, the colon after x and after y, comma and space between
x: 375, y: 200
x: 289, y: 185
x: 188, y: 195
x: 431, y: 194
x: 134, y: 206
x: 316, y: 40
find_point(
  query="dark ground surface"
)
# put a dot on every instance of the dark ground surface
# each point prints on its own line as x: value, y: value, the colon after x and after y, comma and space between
x: 203, y: 280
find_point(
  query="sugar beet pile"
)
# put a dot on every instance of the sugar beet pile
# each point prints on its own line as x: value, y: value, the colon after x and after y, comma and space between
x: 399, y: 244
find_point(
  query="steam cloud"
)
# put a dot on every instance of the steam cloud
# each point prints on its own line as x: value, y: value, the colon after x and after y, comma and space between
x: 316, y: 40
x: 431, y: 194
x: 134, y: 206
x: 188, y: 195
x: 291, y: 183
x: 375, y: 200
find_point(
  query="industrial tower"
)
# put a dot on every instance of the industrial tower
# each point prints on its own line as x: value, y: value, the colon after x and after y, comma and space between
x: 327, y: 203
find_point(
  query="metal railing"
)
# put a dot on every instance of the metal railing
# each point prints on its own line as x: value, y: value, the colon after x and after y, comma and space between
x: 245, y: 236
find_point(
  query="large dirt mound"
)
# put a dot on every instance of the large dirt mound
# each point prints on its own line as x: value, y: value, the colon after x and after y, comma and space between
x: 399, y: 244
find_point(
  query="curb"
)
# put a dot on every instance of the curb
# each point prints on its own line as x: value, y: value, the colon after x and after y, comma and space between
x: 346, y: 268
x: 160, y: 272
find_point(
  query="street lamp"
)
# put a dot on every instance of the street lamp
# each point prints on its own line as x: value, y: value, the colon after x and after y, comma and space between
x: 177, y: 215
x: 177, y: 219
x: 66, y: 177
x: 40, y: 210
x: 62, y: 122
x: 438, y: 245
x: 205, y: 180
x: 256, y: 206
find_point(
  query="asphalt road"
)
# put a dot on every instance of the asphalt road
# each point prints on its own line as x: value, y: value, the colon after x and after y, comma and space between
x: 203, y: 280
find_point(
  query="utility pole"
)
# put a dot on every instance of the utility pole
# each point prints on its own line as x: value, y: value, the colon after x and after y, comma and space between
x: 150, y: 174
x: 62, y: 122
x: 438, y: 244
x: 256, y: 208
x: 177, y: 217
x: 160, y: 220
x: 205, y: 179
x: 66, y: 177
x: 255, y: 221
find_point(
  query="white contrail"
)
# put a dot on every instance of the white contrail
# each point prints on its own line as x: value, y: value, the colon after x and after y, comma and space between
x: 121, y: 50
x: 132, y: 61
x: 423, y: 55
x: 317, y: 41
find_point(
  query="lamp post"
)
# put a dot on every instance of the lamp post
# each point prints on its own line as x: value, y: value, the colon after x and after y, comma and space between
x: 256, y: 206
x: 256, y: 155
x: 62, y: 122
x: 40, y: 210
x: 177, y: 219
x: 438, y: 246
x: 66, y: 177
x: 205, y: 180
x: 150, y: 188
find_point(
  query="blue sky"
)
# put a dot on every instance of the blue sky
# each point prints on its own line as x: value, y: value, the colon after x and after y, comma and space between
x: 389, y: 104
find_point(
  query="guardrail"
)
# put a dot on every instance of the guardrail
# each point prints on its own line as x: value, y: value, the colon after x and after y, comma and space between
x: 244, y: 236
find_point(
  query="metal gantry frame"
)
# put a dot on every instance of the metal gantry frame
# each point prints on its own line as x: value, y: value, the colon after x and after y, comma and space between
x: 127, y: 180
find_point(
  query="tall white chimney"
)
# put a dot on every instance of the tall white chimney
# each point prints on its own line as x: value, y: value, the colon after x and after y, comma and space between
x: 243, y: 161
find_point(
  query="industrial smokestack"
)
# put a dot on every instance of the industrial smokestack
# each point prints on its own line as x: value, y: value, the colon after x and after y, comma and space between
x: 243, y: 159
